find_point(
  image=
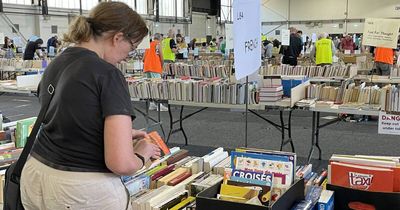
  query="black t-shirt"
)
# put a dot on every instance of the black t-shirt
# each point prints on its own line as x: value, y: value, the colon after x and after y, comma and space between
x: 294, y: 48
x: 172, y: 43
x: 30, y: 50
x: 89, y: 89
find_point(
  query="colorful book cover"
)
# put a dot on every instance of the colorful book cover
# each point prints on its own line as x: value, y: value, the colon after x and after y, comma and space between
x: 362, y: 177
x: 156, y: 138
x: 280, y: 166
x: 23, y: 129
x: 137, y: 184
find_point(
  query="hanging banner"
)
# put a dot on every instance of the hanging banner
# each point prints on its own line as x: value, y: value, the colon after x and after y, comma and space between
x: 381, y: 32
x: 247, y: 37
x: 388, y: 124
x: 229, y: 36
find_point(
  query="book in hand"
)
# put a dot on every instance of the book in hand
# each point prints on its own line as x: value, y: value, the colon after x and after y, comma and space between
x: 156, y: 139
x: 368, y: 178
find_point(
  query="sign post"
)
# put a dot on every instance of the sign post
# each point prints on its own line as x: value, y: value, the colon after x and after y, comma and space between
x: 247, y: 43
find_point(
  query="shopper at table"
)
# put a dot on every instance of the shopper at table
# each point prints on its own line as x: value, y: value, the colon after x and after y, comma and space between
x: 384, y: 58
x: 347, y: 43
x: 85, y: 142
x: 9, y: 48
x: 323, y: 50
x: 32, y: 48
x: 153, y: 65
x: 169, y: 47
x: 291, y: 52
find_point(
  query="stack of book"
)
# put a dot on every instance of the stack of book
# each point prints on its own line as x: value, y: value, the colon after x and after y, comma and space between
x: 192, y: 70
x: 271, y: 90
x: 392, y: 102
x: 201, y: 91
x: 369, y: 173
x: 336, y: 71
x: 8, y: 153
x: 395, y: 72
x: 322, y: 92
x: 349, y: 95
x: 173, y: 181
x: 270, y: 94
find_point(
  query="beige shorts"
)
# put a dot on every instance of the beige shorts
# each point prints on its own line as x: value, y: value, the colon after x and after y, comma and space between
x: 46, y: 188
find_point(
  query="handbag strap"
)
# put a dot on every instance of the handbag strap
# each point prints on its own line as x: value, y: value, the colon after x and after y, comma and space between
x: 32, y: 137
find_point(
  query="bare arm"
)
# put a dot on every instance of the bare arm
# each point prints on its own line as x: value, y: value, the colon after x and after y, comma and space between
x: 119, y: 153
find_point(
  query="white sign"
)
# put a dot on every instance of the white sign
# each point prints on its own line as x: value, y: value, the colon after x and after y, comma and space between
x: 389, y: 124
x: 314, y: 37
x: 247, y: 33
x: 145, y: 44
x: 229, y: 36
x: 285, y: 37
x: 381, y: 32
x: 2, y: 38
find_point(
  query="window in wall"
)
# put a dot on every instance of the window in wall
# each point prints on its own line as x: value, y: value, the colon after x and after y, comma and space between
x: 26, y: 2
x: 72, y: 4
x: 168, y: 8
x: 226, y: 10
x: 54, y: 29
x: 15, y: 26
x: 140, y: 7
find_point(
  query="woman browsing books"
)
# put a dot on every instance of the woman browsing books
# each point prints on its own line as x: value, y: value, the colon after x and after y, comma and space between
x: 85, y: 143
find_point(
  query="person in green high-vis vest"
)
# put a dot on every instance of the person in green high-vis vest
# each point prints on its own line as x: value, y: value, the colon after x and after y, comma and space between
x: 323, y: 50
x: 169, y: 48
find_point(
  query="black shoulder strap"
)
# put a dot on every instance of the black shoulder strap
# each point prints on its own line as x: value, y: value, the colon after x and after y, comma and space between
x: 32, y: 137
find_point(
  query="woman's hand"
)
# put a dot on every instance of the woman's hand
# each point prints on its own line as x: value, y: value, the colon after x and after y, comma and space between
x: 138, y: 134
x: 147, y: 149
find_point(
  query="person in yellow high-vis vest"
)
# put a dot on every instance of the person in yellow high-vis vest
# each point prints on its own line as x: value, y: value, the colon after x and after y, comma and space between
x: 169, y: 48
x: 323, y: 50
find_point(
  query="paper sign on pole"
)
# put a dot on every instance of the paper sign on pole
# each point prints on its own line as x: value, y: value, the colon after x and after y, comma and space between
x: 247, y: 37
x: 381, y: 32
x: 285, y: 37
x: 229, y: 36
x: 389, y: 124
x: 145, y: 44
x: 314, y: 37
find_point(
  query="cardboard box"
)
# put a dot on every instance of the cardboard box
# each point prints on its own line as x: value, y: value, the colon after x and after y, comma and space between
x: 360, y: 199
x: 207, y: 200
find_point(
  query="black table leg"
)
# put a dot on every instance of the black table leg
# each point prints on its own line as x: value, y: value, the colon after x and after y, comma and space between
x: 312, y: 138
x: 159, y: 119
x: 171, y: 122
x: 290, y: 131
x: 181, y: 126
x: 282, y: 129
x: 317, y: 136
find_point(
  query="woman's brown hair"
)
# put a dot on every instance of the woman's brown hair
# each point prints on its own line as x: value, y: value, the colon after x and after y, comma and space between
x: 111, y: 17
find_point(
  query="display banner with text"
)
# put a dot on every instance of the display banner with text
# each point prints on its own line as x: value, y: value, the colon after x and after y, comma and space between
x: 247, y: 37
x: 381, y: 32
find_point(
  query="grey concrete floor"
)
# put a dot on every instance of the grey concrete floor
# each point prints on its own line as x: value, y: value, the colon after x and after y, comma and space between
x: 221, y: 127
